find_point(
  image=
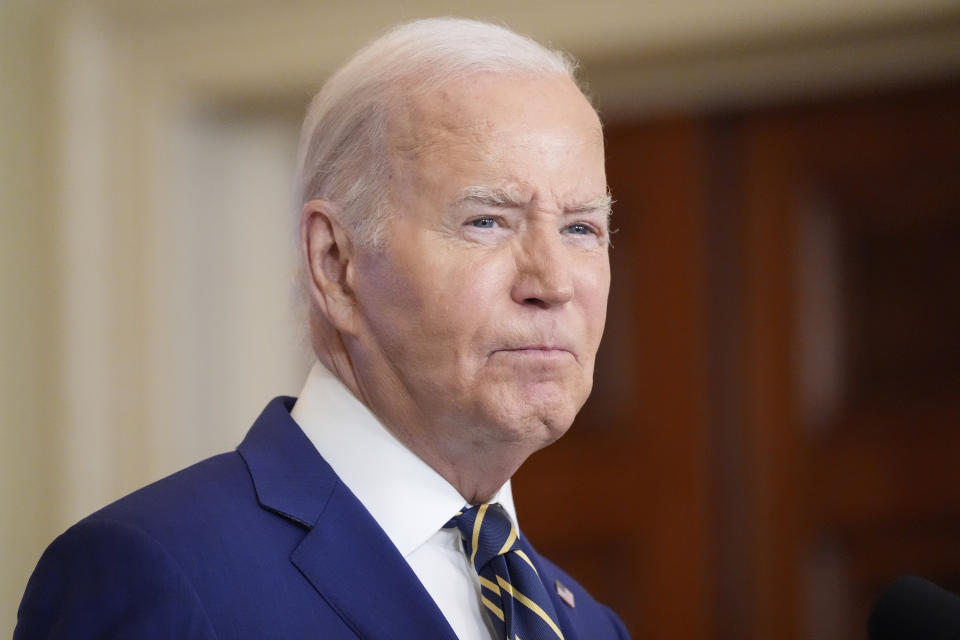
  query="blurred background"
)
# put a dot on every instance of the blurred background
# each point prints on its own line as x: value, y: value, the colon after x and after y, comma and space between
x: 774, y: 429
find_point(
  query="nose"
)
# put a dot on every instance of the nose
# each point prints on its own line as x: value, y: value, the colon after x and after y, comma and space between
x: 544, y: 271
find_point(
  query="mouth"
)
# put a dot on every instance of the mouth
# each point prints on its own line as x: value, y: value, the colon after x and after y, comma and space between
x: 537, y: 351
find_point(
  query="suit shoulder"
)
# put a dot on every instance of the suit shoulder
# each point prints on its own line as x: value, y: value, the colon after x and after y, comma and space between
x: 216, y: 485
x: 596, y: 619
x: 74, y: 589
x: 170, y: 549
x: 206, y: 513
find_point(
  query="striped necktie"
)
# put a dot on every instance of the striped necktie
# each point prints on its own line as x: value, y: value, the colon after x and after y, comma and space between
x: 511, y: 591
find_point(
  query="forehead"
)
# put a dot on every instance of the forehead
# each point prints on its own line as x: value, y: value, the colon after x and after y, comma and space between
x: 480, y: 97
x: 504, y: 129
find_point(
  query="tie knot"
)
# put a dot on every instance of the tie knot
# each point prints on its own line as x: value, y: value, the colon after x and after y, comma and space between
x: 487, y: 532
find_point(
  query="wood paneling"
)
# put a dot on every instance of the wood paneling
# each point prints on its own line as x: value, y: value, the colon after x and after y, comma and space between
x: 846, y: 481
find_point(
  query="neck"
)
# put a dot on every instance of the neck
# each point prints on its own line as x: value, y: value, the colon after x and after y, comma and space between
x: 476, y: 472
x: 477, y: 469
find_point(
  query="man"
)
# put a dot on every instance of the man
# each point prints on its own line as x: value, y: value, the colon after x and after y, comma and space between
x: 454, y: 233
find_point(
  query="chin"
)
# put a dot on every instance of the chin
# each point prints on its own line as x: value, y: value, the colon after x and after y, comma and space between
x: 539, y: 418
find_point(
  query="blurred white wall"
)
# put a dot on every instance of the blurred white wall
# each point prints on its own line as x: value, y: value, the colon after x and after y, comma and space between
x: 146, y: 232
x: 29, y: 446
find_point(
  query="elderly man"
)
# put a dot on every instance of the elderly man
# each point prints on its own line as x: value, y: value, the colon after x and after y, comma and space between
x: 454, y: 232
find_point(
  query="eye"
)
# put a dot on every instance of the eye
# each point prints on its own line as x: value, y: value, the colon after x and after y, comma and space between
x: 580, y: 229
x: 483, y: 223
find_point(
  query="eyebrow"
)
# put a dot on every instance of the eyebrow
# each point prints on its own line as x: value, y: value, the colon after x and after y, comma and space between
x: 503, y: 199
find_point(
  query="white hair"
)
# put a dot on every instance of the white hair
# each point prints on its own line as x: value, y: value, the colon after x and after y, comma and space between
x: 344, y: 155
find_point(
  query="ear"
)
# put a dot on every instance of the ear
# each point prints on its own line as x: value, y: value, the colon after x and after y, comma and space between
x: 328, y: 251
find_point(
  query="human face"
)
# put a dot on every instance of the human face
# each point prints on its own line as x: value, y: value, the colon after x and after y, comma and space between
x: 482, y: 314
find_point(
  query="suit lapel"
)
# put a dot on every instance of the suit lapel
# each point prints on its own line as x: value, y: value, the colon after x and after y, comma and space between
x: 345, y: 555
x: 359, y: 572
x: 566, y: 615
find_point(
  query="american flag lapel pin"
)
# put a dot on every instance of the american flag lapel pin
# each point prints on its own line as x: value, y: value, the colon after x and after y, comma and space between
x: 565, y: 594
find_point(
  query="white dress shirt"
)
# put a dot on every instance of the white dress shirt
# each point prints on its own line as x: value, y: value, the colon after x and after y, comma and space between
x: 409, y: 500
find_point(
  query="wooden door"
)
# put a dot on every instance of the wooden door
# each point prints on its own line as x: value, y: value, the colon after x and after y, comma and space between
x: 850, y: 373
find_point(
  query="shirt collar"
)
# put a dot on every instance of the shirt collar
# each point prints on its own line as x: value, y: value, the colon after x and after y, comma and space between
x: 407, y: 497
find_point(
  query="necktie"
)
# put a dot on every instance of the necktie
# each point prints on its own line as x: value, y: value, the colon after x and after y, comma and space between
x: 511, y: 591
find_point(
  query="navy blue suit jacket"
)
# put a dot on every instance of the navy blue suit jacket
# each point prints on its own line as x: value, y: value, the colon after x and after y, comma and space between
x: 263, y: 542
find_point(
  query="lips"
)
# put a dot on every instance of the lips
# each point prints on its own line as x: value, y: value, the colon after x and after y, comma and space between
x: 537, y: 351
x: 543, y: 343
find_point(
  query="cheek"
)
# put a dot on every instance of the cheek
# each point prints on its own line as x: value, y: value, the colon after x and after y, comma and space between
x: 463, y: 303
x: 435, y: 315
x: 599, y: 307
x: 390, y: 303
x: 594, y: 289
